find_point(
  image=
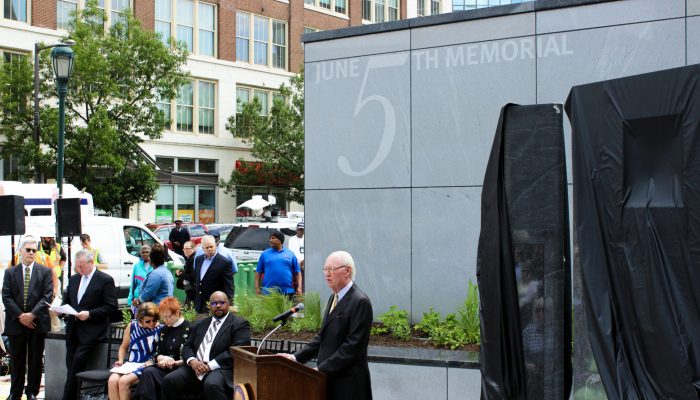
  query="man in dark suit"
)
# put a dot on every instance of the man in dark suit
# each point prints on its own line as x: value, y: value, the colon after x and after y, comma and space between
x: 341, y: 346
x: 26, y: 290
x: 213, y: 272
x: 93, y: 295
x: 209, y: 368
x: 178, y: 236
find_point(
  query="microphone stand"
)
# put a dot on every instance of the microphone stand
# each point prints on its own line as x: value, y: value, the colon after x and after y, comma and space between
x: 284, y: 321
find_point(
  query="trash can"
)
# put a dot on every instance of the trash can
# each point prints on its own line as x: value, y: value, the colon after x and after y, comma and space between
x: 178, y: 293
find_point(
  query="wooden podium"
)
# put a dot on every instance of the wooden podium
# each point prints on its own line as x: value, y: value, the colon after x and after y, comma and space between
x: 266, y: 376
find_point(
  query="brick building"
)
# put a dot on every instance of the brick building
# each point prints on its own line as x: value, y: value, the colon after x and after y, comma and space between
x: 240, y: 49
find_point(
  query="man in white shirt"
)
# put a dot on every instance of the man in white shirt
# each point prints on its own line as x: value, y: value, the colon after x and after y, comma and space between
x: 296, y: 245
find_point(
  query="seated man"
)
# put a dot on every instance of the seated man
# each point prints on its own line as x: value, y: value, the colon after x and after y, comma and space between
x: 209, y: 364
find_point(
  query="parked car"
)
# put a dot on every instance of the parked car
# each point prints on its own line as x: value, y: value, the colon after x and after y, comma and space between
x: 224, y: 229
x: 196, y: 232
x: 248, y: 242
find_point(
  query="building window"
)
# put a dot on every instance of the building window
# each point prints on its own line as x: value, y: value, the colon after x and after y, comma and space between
x: 420, y: 8
x: 279, y: 44
x: 207, y: 29
x: 434, y: 7
x: 207, y: 97
x: 16, y: 10
x: 185, y: 108
x: 269, y: 38
x: 65, y: 10
x: 185, y: 23
x: 114, y: 12
x: 338, y: 6
x: 195, y: 106
x: 164, y: 14
x: 460, y: 5
x: 190, y: 203
x: 242, y: 37
x: 380, y: 10
x: 265, y: 97
x: 186, y: 165
x: 191, y: 22
x: 309, y: 30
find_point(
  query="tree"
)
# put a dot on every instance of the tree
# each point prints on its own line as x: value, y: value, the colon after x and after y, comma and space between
x: 277, y: 142
x: 118, y: 77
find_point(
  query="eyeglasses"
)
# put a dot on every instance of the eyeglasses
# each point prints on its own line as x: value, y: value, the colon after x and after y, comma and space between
x: 30, y: 250
x: 217, y: 303
x: 329, y: 270
x: 166, y: 316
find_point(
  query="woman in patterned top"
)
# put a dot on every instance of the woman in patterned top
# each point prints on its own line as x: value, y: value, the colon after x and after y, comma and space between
x: 168, y: 354
x: 140, y: 339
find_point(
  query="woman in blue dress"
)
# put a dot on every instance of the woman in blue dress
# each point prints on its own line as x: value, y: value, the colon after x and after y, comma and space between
x: 140, y: 340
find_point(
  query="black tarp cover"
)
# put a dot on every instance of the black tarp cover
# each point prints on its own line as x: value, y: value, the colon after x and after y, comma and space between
x: 636, y: 167
x: 522, y: 264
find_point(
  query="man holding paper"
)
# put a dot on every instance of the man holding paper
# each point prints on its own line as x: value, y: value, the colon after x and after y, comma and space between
x: 93, y: 295
x: 26, y: 292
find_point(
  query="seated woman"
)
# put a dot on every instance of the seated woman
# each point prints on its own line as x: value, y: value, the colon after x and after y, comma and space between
x: 167, y: 356
x: 140, y: 339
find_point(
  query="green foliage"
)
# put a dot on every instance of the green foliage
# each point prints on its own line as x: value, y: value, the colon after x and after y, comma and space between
x: 126, y: 316
x: 468, y: 317
x: 188, y: 312
x: 118, y: 77
x: 395, y: 322
x: 312, y: 315
x: 277, y: 141
x: 260, y: 309
x: 457, y: 329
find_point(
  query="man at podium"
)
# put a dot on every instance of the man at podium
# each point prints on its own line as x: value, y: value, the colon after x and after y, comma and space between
x: 341, y: 346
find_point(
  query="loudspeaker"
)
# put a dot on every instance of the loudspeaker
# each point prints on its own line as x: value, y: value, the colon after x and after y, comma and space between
x: 13, y: 224
x: 68, y: 217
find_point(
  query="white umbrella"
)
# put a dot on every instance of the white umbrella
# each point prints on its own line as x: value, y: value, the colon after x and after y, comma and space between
x: 256, y: 203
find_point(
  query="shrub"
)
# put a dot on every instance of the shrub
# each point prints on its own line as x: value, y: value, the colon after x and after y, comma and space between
x: 395, y: 322
x: 457, y: 329
x: 188, y: 312
x: 312, y: 315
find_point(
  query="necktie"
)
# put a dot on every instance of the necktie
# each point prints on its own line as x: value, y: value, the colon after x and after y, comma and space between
x: 27, y: 278
x: 203, y: 352
x: 82, y: 288
x: 335, y: 303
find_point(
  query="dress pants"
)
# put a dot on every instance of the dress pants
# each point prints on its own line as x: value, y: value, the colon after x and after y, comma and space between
x: 26, y: 354
x: 151, y: 383
x: 184, y: 380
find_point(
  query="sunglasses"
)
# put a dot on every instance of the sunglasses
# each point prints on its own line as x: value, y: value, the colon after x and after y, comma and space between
x: 30, y: 250
x: 148, y: 321
x: 217, y: 303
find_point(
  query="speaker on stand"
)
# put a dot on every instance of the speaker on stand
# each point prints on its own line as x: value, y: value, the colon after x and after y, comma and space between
x: 13, y: 224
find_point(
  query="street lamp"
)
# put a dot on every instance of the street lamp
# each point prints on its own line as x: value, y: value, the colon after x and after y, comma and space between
x: 37, y: 50
x: 62, y: 57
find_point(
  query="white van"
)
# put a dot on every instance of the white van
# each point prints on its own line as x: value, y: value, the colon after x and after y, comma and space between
x: 107, y: 235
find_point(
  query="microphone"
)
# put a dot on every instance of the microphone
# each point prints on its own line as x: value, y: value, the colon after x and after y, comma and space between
x: 288, y: 313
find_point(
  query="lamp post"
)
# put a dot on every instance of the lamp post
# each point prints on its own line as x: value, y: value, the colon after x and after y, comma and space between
x: 37, y: 50
x: 62, y: 57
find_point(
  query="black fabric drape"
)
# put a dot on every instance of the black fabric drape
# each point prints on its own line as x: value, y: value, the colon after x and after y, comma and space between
x: 636, y: 159
x: 502, y: 363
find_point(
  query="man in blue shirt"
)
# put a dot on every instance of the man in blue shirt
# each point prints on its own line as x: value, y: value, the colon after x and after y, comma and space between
x: 277, y: 268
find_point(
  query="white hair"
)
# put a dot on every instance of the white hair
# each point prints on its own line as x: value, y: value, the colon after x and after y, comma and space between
x: 347, y: 261
x: 85, y: 254
x: 28, y: 239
